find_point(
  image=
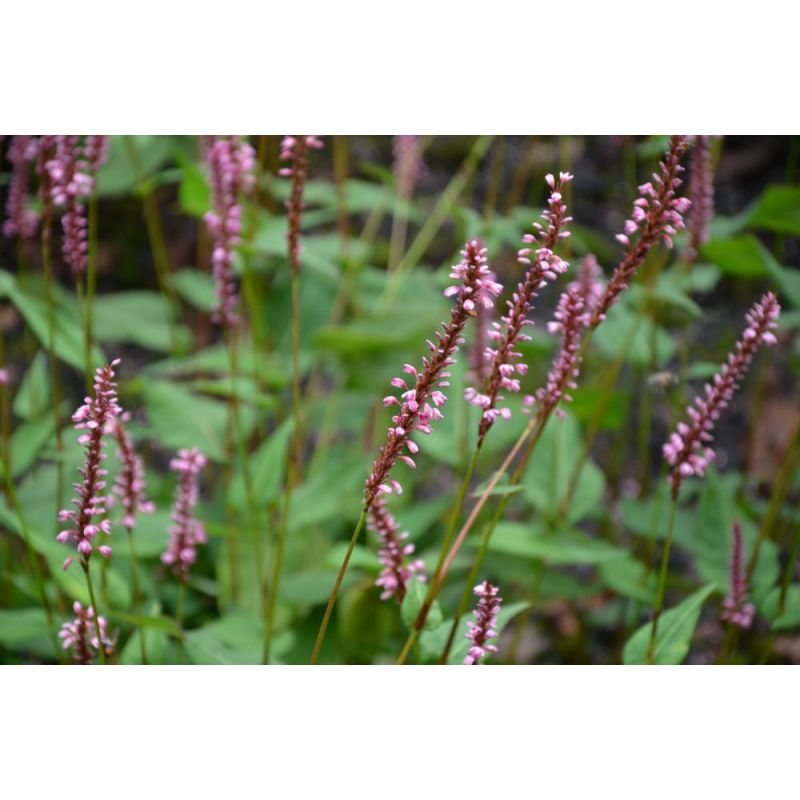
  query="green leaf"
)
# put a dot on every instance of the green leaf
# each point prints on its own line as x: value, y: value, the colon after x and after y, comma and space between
x: 550, y: 470
x: 20, y: 625
x: 162, y: 624
x: 742, y: 256
x: 710, y: 538
x: 183, y: 419
x: 33, y: 398
x: 412, y: 603
x: 27, y: 441
x: 790, y: 618
x: 267, y: 466
x: 674, y: 636
x: 628, y: 577
x: 30, y: 301
x: 194, y: 193
x: 195, y: 287
x: 778, y: 210
x: 615, y: 332
x: 562, y: 547
x: 139, y: 317
x: 118, y: 176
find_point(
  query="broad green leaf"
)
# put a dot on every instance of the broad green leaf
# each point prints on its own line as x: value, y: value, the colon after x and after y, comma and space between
x: 711, y: 538
x: 20, y: 625
x: 413, y: 602
x: 628, y: 577
x: 790, y: 618
x: 778, y: 210
x: 550, y: 470
x: 194, y: 193
x: 674, y: 636
x: 742, y: 256
x: 33, y: 398
x: 118, y: 175
x: 195, y: 287
x: 162, y: 624
x: 27, y: 442
x: 267, y: 466
x: 68, y: 337
x: 561, y: 547
x: 180, y: 418
x: 139, y: 317
x: 647, y: 347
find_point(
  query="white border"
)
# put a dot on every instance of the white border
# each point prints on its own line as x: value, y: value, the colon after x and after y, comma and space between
x: 356, y: 66
x: 394, y: 732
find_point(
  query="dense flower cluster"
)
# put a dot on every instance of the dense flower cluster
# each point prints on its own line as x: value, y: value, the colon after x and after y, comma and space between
x: 736, y: 609
x: 21, y: 221
x: 80, y: 635
x: 129, y: 484
x: 230, y: 161
x: 483, y: 629
x: 419, y: 404
x: 574, y: 312
x: 187, y: 532
x: 543, y: 266
x: 408, y: 165
x: 95, y: 417
x: 95, y: 149
x: 294, y: 150
x: 70, y: 181
x: 687, y: 450
x: 701, y: 192
x: 657, y: 214
x: 394, y: 553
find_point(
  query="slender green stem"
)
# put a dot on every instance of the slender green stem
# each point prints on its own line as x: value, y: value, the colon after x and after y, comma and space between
x: 155, y: 235
x: 337, y: 585
x: 91, y: 281
x: 179, y: 606
x: 238, y: 443
x: 451, y: 529
x: 782, y: 486
x: 662, y: 580
x: 51, y: 337
x: 100, y: 647
x: 137, y: 597
x: 293, y: 467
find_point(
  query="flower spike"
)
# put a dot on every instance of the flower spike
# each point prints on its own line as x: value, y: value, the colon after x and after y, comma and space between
x: 419, y: 403
x: 543, y: 266
x: 736, y: 609
x: 483, y: 629
x: 687, y: 450
x: 394, y: 554
x: 95, y: 416
x: 657, y: 214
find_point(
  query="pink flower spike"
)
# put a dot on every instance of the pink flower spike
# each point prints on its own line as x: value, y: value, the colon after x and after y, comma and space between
x: 230, y: 162
x: 657, y: 214
x: 408, y: 166
x: 736, y: 609
x: 483, y: 629
x: 187, y: 531
x: 80, y: 635
x: 21, y: 220
x: 397, y: 570
x: 688, y: 453
x: 419, y: 406
x: 701, y: 191
x: 294, y: 149
x: 96, y: 416
x: 129, y: 485
x: 543, y: 266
